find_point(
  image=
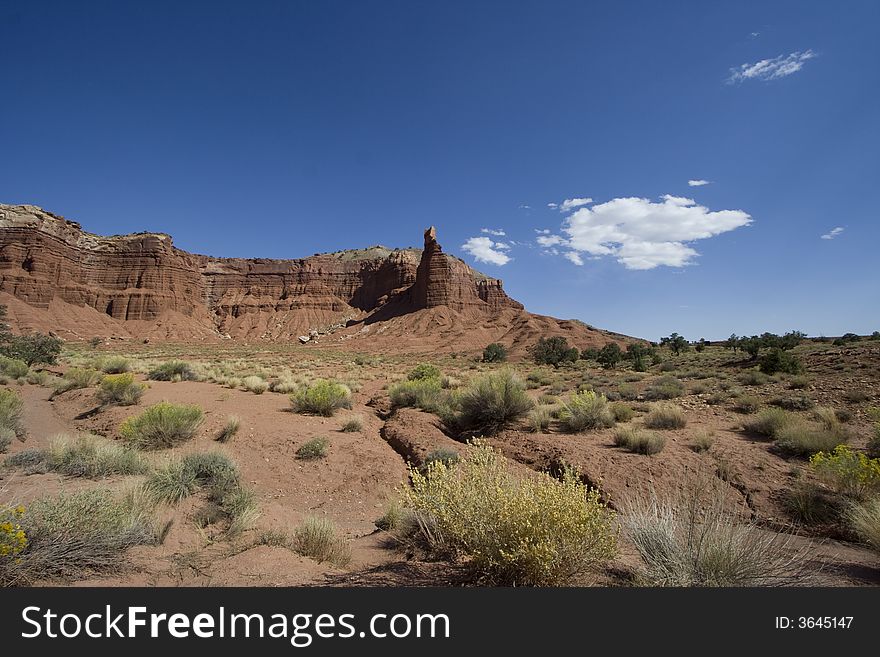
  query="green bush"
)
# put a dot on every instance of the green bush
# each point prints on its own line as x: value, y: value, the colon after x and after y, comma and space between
x: 316, y: 538
x: 446, y: 455
x: 621, y: 412
x: 535, y: 531
x: 115, y: 365
x: 770, y: 422
x: 495, y: 353
x: 162, y: 425
x: 321, y: 398
x: 610, y: 355
x: 802, y: 439
x: 13, y: 368
x: 665, y: 416
x: 778, y: 360
x: 316, y: 448
x: 491, y: 402
x: 424, y: 371
x: 639, y: 441
x: 6, y: 436
x: 353, y: 425
x: 11, y: 410
x: 553, y: 351
x: 426, y: 394
x: 585, y: 410
x: 665, y: 387
x: 32, y: 349
x: 173, y: 370
x: 120, y: 389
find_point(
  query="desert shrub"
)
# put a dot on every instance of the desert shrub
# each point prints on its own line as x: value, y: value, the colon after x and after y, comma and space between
x: 665, y: 416
x: 38, y: 377
x: 120, y: 389
x: 793, y: 403
x: 321, y: 398
x: 228, y: 430
x: 585, y: 410
x: 534, y: 531
x: 32, y: 349
x: 13, y: 539
x: 716, y: 398
x: 284, y: 385
x: 115, y: 365
x: 90, y: 457
x: 778, y: 360
x: 746, y: 404
x: 665, y: 387
x: 490, y: 402
x: 627, y: 391
x: 353, y: 425
x: 553, y: 351
x: 855, y: 396
x: 864, y: 519
x: 162, y: 425
x: 424, y: 371
x: 770, y: 422
x: 11, y: 410
x: 495, y: 353
x: 255, y: 384
x: 753, y: 378
x: 173, y: 370
x: 426, y: 394
x: 539, y: 378
x: 848, y: 472
x: 811, y: 504
x: 13, y: 368
x: 316, y: 448
x: 317, y: 539
x: 699, y: 389
x: 6, y: 436
x: 702, y: 441
x: 445, y: 455
x: 694, y: 537
x: 803, y: 439
x: 539, y: 419
x: 274, y: 538
x: 844, y: 415
x: 76, y: 378
x: 798, y: 382
x: 72, y: 536
x: 547, y: 399
x: 666, y: 366
x: 393, y: 517
x: 639, y: 441
x: 622, y: 412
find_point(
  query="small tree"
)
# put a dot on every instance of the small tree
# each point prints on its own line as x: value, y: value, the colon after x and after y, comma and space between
x: 701, y: 345
x: 610, y: 355
x: 554, y: 351
x: 495, y: 353
x: 590, y: 353
x: 675, y: 342
x: 732, y: 342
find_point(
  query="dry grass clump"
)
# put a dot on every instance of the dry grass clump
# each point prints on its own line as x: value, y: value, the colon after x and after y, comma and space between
x: 536, y: 531
x: 770, y: 422
x: 120, y: 390
x: 639, y: 441
x: 255, y: 384
x: 321, y: 398
x: 317, y: 539
x: 696, y: 537
x: 490, y: 402
x: 76, y: 378
x: 83, y: 456
x: 353, y: 424
x: 665, y: 416
x: 173, y: 370
x: 425, y: 394
x: 702, y: 441
x: 11, y: 411
x: 114, y: 365
x: 539, y: 419
x: 665, y: 387
x: 583, y: 411
x: 162, y: 425
x: 864, y: 519
x: 228, y: 430
x: 316, y: 448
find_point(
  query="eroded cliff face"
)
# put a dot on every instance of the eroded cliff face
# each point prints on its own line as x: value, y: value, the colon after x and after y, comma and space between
x: 46, y: 259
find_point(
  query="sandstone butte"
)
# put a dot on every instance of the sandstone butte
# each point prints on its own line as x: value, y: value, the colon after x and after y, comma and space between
x: 55, y: 277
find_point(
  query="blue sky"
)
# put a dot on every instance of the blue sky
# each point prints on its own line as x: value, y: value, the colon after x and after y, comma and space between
x: 281, y: 129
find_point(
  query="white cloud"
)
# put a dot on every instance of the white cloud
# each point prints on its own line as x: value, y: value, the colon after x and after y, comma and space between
x: 550, y: 240
x: 498, y: 232
x: 484, y: 249
x: 523, y: 206
x: 755, y: 35
x: 643, y: 234
x: 698, y: 183
x: 575, y: 257
x: 542, y: 231
x: 552, y: 205
x: 834, y: 232
x: 572, y: 203
x: 771, y: 69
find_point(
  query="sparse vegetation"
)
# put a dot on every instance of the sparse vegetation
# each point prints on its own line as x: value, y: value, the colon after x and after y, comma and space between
x: 864, y: 518
x: 316, y: 448
x: 424, y: 371
x: 317, y: 539
x: 665, y: 387
x: 115, y: 365
x: 848, y: 472
x: 85, y: 456
x: 770, y: 422
x: 804, y: 439
x: 427, y: 394
x: 702, y: 441
x: 746, y: 404
x: 622, y: 412
x: 353, y: 425
x: 162, y: 425
x: 11, y: 410
x: 445, y: 455
x: 229, y: 429
x: 539, y: 419
x: 639, y: 441
x: 321, y: 398
x: 76, y: 378
x: 491, y: 402
x: 535, y: 531
x: 255, y: 384
x: 665, y: 416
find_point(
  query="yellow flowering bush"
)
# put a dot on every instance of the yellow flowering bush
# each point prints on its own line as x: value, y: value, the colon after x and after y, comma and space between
x: 535, y: 531
x: 12, y: 537
x: 849, y: 472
